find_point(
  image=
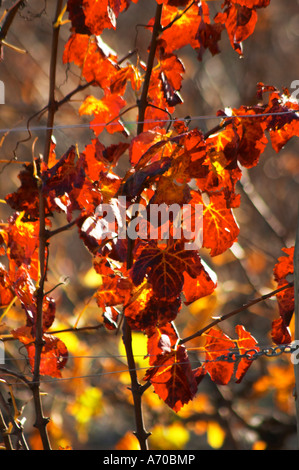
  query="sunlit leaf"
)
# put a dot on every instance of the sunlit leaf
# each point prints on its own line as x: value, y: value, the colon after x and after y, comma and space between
x: 172, y: 378
x: 218, y: 344
x: 284, y: 269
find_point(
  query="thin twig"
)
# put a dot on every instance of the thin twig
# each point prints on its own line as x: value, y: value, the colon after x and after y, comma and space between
x: 76, y: 90
x: 16, y: 427
x: 234, y: 312
x: 217, y: 128
x: 64, y: 228
x: 127, y: 56
x: 72, y: 329
x: 136, y: 389
x: 4, y: 431
x: 9, y: 17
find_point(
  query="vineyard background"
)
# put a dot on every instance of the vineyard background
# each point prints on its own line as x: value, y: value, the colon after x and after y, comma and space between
x: 93, y: 412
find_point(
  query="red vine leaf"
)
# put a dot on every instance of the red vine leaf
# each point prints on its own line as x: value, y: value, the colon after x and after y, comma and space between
x: 245, y: 342
x: 161, y: 340
x: 220, y: 229
x: 284, y: 269
x: 54, y: 352
x: 239, y: 19
x: 6, y: 292
x: 22, y: 241
x: 25, y: 199
x: 147, y: 311
x: 113, y: 291
x: 165, y: 268
x: 208, y: 35
x: 282, y: 120
x: 280, y: 332
x: 285, y: 265
x: 253, y: 140
x: 199, y: 287
x: 172, y: 378
x: 89, y: 17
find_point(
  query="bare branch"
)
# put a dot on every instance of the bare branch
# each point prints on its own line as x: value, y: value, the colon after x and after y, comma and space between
x: 234, y: 312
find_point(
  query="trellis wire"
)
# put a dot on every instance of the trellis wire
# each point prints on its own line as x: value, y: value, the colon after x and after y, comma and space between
x: 147, y: 121
x: 234, y: 355
x: 200, y: 349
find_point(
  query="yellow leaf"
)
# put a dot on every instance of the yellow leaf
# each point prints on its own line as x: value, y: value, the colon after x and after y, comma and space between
x: 87, y: 405
x: 92, y: 279
x: 215, y: 435
x: 173, y: 437
x: 92, y: 105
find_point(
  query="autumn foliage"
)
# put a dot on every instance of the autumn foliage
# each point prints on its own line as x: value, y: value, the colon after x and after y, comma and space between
x: 145, y: 282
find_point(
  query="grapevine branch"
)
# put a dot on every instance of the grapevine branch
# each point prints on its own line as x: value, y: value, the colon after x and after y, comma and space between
x: 136, y: 388
x: 144, y: 95
x: 52, y: 105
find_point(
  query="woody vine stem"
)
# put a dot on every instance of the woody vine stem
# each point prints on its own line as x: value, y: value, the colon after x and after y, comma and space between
x: 136, y: 388
x: 41, y: 421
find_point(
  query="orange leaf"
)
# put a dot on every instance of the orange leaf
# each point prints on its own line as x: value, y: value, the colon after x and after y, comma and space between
x: 285, y: 265
x: 54, y: 352
x: 218, y: 344
x: 286, y: 302
x: 6, y: 293
x: 113, y: 291
x: 220, y: 229
x: 239, y: 21
x: 104, y: 110
x: 280, y: 332
x: 99, y: 64
x: 199, y: 287
x: 245, y: 342
x: 183, y: 31
x: 22, y: 245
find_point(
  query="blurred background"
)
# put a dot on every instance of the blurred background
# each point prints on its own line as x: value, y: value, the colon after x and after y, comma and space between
x: 95, y: 410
